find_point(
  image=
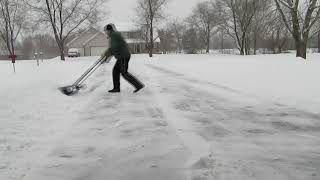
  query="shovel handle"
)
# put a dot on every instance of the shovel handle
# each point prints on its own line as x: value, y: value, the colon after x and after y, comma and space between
x: 98, y: 62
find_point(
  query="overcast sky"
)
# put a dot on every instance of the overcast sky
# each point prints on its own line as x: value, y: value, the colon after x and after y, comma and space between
x: 123, y: 11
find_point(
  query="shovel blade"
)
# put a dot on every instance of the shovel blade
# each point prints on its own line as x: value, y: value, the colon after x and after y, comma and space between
x: 69, y: 90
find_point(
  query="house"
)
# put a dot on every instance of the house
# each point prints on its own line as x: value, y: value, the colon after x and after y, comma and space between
x: 94, y: 42
x: 90, y: 43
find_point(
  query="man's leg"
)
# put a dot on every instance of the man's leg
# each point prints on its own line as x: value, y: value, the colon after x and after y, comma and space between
x: 116, y: 77
x: 128, y: 76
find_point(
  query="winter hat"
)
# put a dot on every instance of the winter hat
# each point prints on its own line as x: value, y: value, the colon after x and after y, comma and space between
x: 110, y: 27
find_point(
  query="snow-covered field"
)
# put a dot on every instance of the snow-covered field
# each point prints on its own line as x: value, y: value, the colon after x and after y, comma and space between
x: 199, y: 117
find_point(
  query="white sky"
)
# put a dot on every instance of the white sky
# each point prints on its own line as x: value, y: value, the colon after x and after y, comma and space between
x: 123, y: 11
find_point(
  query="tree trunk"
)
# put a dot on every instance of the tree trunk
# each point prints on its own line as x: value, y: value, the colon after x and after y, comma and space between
x: 208, y: 45
x: 273, y: 43
x: 62, y: 56
x: 150, y: 48
x: 280, y: 49
x: 303, y: 52
x: 255, y: 43
x: 301, y: 49
x: 319, y: 42
x: 247, y: 46
x: 208, y: 42
x: 278, y: 40
x: 61, y: 49
x: 222, y: 41
x: 241, y: 48
x: 241, y: 51
x: 151, y: 40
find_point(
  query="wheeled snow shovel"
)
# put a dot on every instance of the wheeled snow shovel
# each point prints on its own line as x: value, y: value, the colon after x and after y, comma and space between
x: 76, y: 86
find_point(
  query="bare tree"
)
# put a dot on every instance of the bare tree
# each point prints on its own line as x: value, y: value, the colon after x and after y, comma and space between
x: 149, y: 12
x: 167, y: 40
x: 264, y: 13
x: 206, y: 16
x: 177, y: 29
x: 12, y: 19
x: 317, y: 27
x: 190, y: 41
x: 221, y: 40
x: 27, y: 47
x: 275, y: 32
x: 66, y: 16
x: 299, y: 18
x: 318, y: 41
x: 238, y: 19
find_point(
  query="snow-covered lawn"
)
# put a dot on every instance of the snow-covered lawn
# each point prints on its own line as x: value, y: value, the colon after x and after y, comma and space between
x: 199, y: 117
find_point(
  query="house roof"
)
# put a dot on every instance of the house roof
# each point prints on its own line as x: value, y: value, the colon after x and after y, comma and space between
x: 99, y: 40
x: 83, y: 38
x: 94, y: 36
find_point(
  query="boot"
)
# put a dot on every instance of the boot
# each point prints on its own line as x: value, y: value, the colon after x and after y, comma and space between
x: 114, y: 90
x: 138, y: 88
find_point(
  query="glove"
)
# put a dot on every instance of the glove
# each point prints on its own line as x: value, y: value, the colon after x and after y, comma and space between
x: 105, y: 60
x: 105, y: 56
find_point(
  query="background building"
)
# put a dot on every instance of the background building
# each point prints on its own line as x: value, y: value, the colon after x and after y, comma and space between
x: 93, y: 42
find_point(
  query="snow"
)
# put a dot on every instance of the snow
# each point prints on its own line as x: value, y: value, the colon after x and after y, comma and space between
x: 282, y: 78
x: 199, y: 117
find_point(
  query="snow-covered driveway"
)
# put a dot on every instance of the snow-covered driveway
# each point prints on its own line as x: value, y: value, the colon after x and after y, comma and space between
x: 179, y: 127
x: 248, y: 137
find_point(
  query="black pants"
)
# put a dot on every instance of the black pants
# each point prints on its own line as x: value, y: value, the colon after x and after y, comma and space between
x: 121, y: 67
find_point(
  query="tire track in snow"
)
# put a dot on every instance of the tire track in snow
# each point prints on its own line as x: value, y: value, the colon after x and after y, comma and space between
x: 198, y: 146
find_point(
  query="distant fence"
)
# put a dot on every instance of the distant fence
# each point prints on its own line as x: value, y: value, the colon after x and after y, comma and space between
x: 6, y: 58
x: 236, y: 51
x: 3, y: 58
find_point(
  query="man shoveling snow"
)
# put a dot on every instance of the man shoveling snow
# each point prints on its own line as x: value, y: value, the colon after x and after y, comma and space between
x: 119, y: 49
